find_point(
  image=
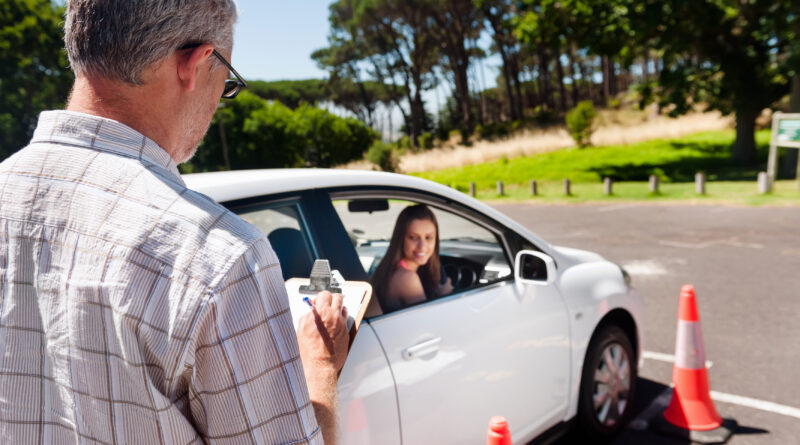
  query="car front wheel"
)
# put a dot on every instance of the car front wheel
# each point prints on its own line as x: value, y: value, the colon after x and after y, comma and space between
x: 607, y: 384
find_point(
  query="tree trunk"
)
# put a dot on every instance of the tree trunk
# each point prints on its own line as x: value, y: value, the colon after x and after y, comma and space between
x: 606, y: 81
x: 613, y: 80
x: 744, y: 148
x: 588, y: 81
x: 572, y: 74
x: 517, y: 86
x: 512, y: 109
x: 562, y: 91
x: 645, y: 63
x: 544, y: 75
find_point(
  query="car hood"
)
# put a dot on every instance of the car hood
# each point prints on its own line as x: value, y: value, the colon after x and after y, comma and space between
x: 576, y: 256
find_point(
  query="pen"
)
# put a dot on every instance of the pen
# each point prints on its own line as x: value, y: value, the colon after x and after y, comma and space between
x: 308, y: 300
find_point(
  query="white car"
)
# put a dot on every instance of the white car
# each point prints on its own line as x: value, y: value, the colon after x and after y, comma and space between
x: 546, y: 336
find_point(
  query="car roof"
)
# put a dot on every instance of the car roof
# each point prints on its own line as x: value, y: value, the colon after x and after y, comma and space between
x: 241, y: 184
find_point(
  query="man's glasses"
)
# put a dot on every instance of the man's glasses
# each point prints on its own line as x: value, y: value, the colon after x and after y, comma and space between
x: 232, y: 86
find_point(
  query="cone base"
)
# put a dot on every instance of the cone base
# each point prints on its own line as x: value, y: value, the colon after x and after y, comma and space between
x: 695, y: 415
x: 718, y: 435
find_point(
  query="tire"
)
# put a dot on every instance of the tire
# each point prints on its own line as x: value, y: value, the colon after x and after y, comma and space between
x: 609, y: 359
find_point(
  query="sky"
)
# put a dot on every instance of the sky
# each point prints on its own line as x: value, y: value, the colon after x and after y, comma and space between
x: 274, y: 39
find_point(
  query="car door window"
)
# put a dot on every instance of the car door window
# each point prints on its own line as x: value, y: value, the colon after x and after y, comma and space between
x: 285, y: 227
x: 471, y: 255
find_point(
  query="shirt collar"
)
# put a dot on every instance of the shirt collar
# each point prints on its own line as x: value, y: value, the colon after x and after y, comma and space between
x: 99, y: 133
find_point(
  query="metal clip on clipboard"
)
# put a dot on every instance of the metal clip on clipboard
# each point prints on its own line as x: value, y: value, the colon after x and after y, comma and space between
x: 321, y: 279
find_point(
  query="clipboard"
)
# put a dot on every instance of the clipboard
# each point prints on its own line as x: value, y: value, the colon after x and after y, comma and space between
x: 356, y: 296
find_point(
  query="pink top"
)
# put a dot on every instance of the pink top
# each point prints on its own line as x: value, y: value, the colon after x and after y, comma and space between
x: 403, y: 264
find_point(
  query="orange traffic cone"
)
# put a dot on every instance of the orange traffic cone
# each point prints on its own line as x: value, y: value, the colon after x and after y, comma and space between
x: 691, y: 412
x: 498, y: 433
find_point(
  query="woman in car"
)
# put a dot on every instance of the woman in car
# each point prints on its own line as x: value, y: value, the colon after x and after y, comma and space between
x: 410, y: 271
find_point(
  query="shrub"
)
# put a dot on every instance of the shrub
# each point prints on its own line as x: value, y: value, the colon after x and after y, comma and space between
x: 580, y: 123
x: 494, y: 130
x: 383, y: 155
x: 543, y: 116
x: 426, y: 140
x: 262, y: 134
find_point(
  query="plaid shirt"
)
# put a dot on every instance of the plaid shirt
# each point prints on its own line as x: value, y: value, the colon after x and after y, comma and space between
x: 133, y: 310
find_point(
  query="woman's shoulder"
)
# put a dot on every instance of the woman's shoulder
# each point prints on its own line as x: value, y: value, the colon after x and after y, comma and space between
x: 405, y: 283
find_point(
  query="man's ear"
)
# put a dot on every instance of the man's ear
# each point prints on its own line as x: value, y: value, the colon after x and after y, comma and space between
x: 189, y: 62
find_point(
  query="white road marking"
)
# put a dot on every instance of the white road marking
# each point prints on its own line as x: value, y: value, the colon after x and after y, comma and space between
x: 702, y: 245
x: 642, y: 420
x: 657, y: 406
x: 668, y: 358
x: 644, y: 268
x: 762, y: 405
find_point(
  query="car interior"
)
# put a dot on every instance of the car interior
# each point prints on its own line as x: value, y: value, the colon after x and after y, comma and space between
x: 471, y: 255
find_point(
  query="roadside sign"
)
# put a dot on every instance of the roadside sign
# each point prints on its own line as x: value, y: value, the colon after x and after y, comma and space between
x: 788, y: 130
x: 785, y: 134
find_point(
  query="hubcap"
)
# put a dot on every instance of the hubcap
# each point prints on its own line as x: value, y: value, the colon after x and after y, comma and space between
x: 612, y: 382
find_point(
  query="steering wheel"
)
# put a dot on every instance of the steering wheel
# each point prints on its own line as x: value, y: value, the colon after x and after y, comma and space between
x: 463, y: 273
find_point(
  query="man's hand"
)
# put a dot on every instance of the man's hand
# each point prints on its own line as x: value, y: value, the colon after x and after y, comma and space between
x: 323, y: 340
x: 322, y: 333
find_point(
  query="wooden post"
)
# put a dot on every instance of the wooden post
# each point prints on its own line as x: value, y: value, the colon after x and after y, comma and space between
x: 763, y: 183
x: 797, y: 172
x: 534, y: 188
x: 567, y: 187
x: 500, y: 188
x: 607, y: 186
x: 654, y: 184
x: 772, y: 159
x: 472, y: 189
x: 700, y: 183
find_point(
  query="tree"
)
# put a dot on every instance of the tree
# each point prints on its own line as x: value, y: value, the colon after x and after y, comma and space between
x: 341, y: 59
x: 736, y: 57
x: 291, y: 93
x: 457, y: 21
x: 499, y: 14
x: 33, y: 68
x: 390, y: 41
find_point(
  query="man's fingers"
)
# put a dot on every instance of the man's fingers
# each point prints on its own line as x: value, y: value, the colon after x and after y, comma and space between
x: 336, y: 302
x: 323, y: 299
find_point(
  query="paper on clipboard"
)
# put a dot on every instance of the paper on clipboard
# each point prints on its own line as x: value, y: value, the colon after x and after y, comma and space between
x: 355, y: 297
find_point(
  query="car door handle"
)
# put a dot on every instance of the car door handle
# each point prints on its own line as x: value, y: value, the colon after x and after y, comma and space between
x: 423, y: 348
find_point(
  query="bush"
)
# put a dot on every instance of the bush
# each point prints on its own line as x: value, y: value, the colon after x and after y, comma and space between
x: 494, y: 130
x: 543, y: 116
x: 580, y: 123
x: 383, y: 155
x: 426, y: 140
x: 403, y: 142
x: 263, y: 134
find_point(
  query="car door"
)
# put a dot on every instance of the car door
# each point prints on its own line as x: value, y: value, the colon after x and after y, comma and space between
x: 367, y: 400
x: 490, y: 348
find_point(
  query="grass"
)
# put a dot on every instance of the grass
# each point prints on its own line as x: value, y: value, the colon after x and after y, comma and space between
x: 675, y: 162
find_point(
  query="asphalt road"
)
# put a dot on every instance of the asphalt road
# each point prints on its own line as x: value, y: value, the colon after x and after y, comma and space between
x: 745, y: 266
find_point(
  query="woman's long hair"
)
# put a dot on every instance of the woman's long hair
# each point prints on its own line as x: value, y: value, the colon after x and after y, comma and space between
x: 429, y: 274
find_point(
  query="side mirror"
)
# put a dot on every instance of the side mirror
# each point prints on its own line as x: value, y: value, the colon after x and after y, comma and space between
x: 532, y: 267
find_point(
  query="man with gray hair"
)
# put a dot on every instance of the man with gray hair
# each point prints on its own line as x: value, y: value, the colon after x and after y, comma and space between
x: 133, y: 310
